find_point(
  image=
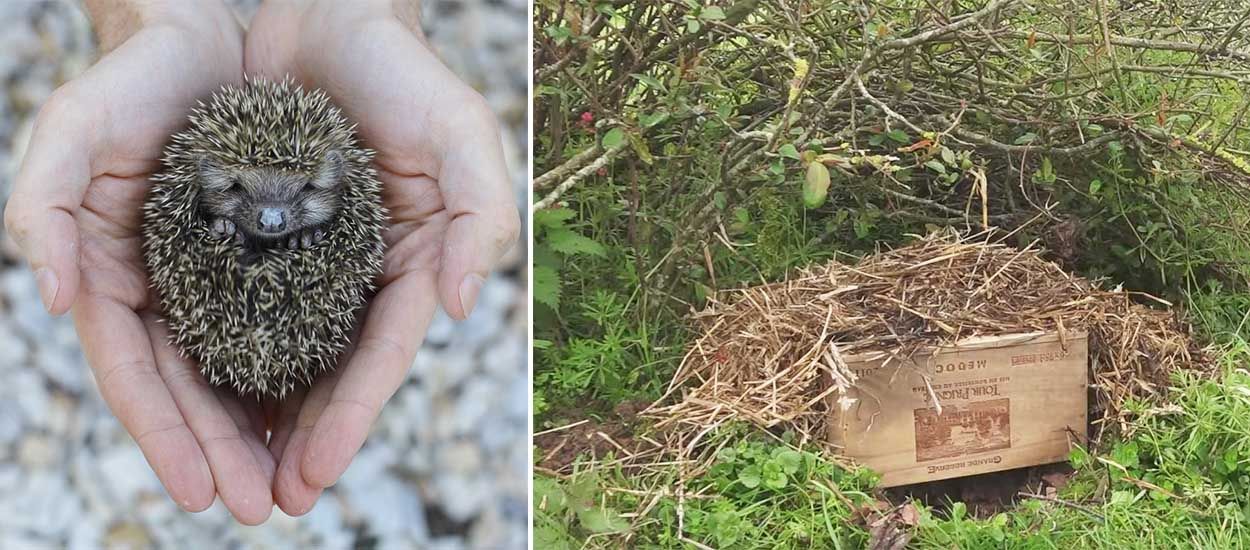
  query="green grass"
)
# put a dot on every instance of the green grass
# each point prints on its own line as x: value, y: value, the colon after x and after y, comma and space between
x: 765, y: 494
x: 630, y: 250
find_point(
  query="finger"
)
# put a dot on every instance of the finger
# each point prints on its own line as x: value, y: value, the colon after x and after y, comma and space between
x: 119, y: 350
x: 48, y: 190
x: 392, y: 332
x: 294, y: 495
x: 247, y: 415
x: 269, y: 49
x: 484, y: 221
x: 445, y: 130
x: 282, y: 417
x: 238, y: 476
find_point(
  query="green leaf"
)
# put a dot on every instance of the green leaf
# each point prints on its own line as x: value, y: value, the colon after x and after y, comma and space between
x: 549, y: 536
x: 712, y: 13
x: 1027, y: 138
x: 789, y: 460
x: 948, y: 156
x: 552, y: 217
x: 650, y: 81
x: 641, y: 147
x: 559, y: 33
x: 936, y: 166
x: 583, y: 490
x: 815, y: 185
x: 1125, y: 454
x: 742, y: 215
x: 898, y: 136
x: 602, y: 520
x: 570, y: 243
x: 651, y: 119
x: 750, y: 476
x: 613, y: 138
x: 774, y: 477
x: 692, y: 26
x: 789, y: 151
x: 547, y: 286
x: 549, y: 496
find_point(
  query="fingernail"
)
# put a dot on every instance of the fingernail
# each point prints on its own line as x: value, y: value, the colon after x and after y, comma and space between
x: 48, y: 286
x: 469, y: 288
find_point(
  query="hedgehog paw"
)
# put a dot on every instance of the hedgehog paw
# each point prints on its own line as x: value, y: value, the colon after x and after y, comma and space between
x: 224, y: 229
x: 305, y: 239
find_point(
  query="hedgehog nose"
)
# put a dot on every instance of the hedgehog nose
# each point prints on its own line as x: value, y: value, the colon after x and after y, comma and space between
x: 272, y: 220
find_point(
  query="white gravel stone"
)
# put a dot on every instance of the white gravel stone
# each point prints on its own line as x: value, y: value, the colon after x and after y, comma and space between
x: 27, y: 313
x: 325, y: 523
x: 64, y: 367
x: 39, y: 451
x: 70, y: 476
x: 441, y: 329
x: 462, y: 497
x: 391, y: 509
x: 10, y: 423
x: 459, y: 458
x: 43, y: 504
x: 25, y: 542
x: 27, y: 388
x: 481, y: 396
x: 13, y: 348
x: 86, y: 534
x: 506, y: 359
x: 126, y: 474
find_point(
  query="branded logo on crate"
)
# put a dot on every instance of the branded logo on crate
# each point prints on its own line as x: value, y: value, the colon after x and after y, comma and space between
x: 962, y: 429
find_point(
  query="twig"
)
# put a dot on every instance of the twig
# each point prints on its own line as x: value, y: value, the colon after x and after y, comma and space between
x: 586, y: 171
x: 1127, y: 42
x: 563, y: 170
x: 1073, y: 505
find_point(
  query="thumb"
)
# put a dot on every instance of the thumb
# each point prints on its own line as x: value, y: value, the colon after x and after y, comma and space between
x: 485, y: 222
x: 48, y: 190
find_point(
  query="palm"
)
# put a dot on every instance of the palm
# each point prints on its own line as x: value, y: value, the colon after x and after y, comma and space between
x: 80, y: 190
x: 76, y: 211
x: 439, y: 160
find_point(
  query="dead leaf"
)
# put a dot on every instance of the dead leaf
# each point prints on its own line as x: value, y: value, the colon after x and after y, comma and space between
x: 916, y: 146
x: 888, y: 534
x: 1058, y: 480
x: 892, y: 531
x: 909, y: 515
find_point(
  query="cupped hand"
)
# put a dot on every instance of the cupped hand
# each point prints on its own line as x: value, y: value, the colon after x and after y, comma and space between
x: 444, y: 183
x: 75, y: 213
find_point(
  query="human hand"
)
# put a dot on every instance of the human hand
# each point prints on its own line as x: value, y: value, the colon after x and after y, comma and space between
x: 75, y: 212
x: 446, y: 188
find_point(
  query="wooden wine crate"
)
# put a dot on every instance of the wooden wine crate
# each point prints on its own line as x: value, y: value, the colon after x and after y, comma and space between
x: 982, y: 405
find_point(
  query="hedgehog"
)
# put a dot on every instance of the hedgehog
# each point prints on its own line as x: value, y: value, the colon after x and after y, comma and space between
x: 262, y: 235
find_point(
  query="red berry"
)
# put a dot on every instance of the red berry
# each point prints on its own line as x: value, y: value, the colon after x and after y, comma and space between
x: 588, y: 117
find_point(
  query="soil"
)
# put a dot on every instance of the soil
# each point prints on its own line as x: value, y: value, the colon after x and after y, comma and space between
x: 985, y: 494
x: 590, y: 440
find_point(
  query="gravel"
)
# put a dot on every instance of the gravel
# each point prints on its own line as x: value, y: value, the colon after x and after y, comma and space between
x: 447, y: 463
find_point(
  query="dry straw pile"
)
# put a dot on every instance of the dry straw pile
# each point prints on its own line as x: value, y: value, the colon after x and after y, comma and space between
x: 771, y: 354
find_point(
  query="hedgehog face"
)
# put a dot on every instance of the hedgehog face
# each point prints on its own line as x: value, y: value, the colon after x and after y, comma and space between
x: 266, y: 205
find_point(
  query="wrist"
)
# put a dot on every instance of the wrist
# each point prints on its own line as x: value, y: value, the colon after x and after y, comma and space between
x: 407, y: 12
x: 115, y: 21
